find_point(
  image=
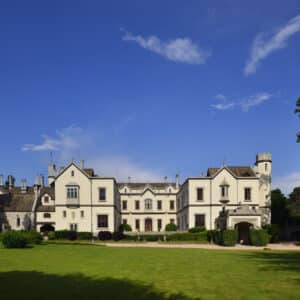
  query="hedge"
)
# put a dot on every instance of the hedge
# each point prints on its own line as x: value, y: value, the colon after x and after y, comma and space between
x: 187, y: 236
x: 84, y: 235
x: 259, y: 237
x: 34, y: 237
x: 65, y: 235
x: 15, y: 239
x: 197, y: 229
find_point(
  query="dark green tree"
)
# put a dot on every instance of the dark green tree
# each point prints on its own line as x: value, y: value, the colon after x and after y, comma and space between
x: 297, y: 111
x: 279, y: 208
x: 294, y: 205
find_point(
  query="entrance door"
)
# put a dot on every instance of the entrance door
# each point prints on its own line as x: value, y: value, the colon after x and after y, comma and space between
x: 148, y: 225
x: 244, y: 232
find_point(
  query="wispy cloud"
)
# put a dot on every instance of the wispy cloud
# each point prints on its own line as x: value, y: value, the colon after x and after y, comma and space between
x: 75, y: 142
x: 264, y: 44
x: 287, y: 182
x: 244, y: 104
x: 64, y: 139
x: 182, y: 50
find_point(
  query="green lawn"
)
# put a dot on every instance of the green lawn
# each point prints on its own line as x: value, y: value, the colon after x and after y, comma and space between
x: 92, y: 272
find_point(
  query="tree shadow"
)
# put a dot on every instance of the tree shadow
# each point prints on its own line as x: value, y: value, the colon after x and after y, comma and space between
x: 277, y: 261
x: 36, y: 285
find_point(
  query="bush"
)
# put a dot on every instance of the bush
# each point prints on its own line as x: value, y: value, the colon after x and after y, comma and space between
x: 215, y: 236
x: 128, y: 237
x: 259, y: 237
x: 197, y: 229
x: 105, y: 235
x: 274, y: 232
x: 84, y: 235
x: 297, y: 243
x: 171, y: 227
x: 118, y: 235
x: 15, y: 239
x: 125, y: 227
x: 51, y: 235
x: 34, y: 237
x: 229, y: 237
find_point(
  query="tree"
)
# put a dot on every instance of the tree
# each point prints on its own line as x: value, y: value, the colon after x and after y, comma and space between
x: 294, y: 205
x: 279, y: 208
x: 297, y: 111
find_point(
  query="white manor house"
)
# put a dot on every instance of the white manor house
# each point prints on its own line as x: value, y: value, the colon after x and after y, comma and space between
x: 78, y: 199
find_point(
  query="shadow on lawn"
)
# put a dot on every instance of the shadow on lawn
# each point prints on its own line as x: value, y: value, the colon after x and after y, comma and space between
x: 279, y: 261
x: 35, y: 285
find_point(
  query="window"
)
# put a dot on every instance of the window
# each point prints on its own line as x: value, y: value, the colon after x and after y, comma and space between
x: 82, y: 214
x: 102, y: 194
x: 159, y: 224
x: 172, y: 221
x: 124, y: 221
x: 170, y: 190
x: 72, y: 173
x: 124, y: 205
x: 102, y: 221
x: 148, y: 204
x: 172, y: 204
x: 47, y: 215
x: 247, y: 194
x: 125, y: 190
x: 137, y: 204
x: 200, y: 194
x: 73, y: 227
x: 18, y: 222
x: 159, y: 204
x: 64, y: 214
x: 224, y: 191
x: 137, y: 224
x: 266, y: 167
x: 46, y: 199
x: 72, y: 192
x: 200, y: 220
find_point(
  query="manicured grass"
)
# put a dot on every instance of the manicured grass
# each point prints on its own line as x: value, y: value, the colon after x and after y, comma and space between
x: 92, y: 272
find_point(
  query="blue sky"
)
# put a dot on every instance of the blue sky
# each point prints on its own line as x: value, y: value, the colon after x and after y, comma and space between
x: 149, y: 88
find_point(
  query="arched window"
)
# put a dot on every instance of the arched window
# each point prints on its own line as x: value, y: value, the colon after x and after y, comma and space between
x: 148, y: 204
x: 18, y: 221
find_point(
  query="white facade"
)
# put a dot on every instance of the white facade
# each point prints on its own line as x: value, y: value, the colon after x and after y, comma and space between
x: 80, y: 200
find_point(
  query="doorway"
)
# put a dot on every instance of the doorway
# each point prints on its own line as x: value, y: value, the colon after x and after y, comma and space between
x: 243, y: 232
x: 148, y: 225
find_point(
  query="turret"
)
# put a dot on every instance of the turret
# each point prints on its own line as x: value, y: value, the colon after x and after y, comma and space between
x: 52, y: 173
x: 264, y: 163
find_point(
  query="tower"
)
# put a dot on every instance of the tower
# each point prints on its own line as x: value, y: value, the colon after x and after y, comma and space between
x: 52, y: 173
x: 264, y: 171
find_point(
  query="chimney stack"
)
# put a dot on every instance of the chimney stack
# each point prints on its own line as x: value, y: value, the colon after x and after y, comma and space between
x: 166, y: 179
x: 11, y: 182
x: 82, y: 164
x: 177, y: 181
x: 23, y: 185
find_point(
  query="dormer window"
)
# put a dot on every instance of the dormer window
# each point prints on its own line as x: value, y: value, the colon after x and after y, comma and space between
x: 224, y: 186
x: 46, y: 199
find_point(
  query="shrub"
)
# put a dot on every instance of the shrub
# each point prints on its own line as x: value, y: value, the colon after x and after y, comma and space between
x: 171, y: 227
x: 105, y: 235
x: 259, y: 237
x: 84, y: 235
x: 297, y: 243
x: 51, y: 235
x: 128, y: 237
x: 274, y: 232
x: 215, y: 236
x: 229, y: 237
x: 15, y: 239
x: 34, y: 237
x: 118, y: 235
x: 197, y: 229
x: 125, y: 227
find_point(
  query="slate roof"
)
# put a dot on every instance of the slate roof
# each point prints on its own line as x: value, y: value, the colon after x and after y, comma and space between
x: 237, y: 171
x: 16, y: 201
x: 48, y: 190
x: 143, y: 185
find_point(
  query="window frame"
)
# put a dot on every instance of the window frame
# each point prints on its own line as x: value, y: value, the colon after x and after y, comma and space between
x: 124, y: 205
x: 201, y: 194
x: 100, y: 196
x: 200, y: 215
x: 137, y: 205
x: 250, y: 194
x: 148, y: 204
x: 106, y: 221
x: 159, y: 205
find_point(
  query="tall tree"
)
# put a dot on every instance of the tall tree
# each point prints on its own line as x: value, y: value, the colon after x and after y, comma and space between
x: 297, y: 111
x: 279, y: 210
